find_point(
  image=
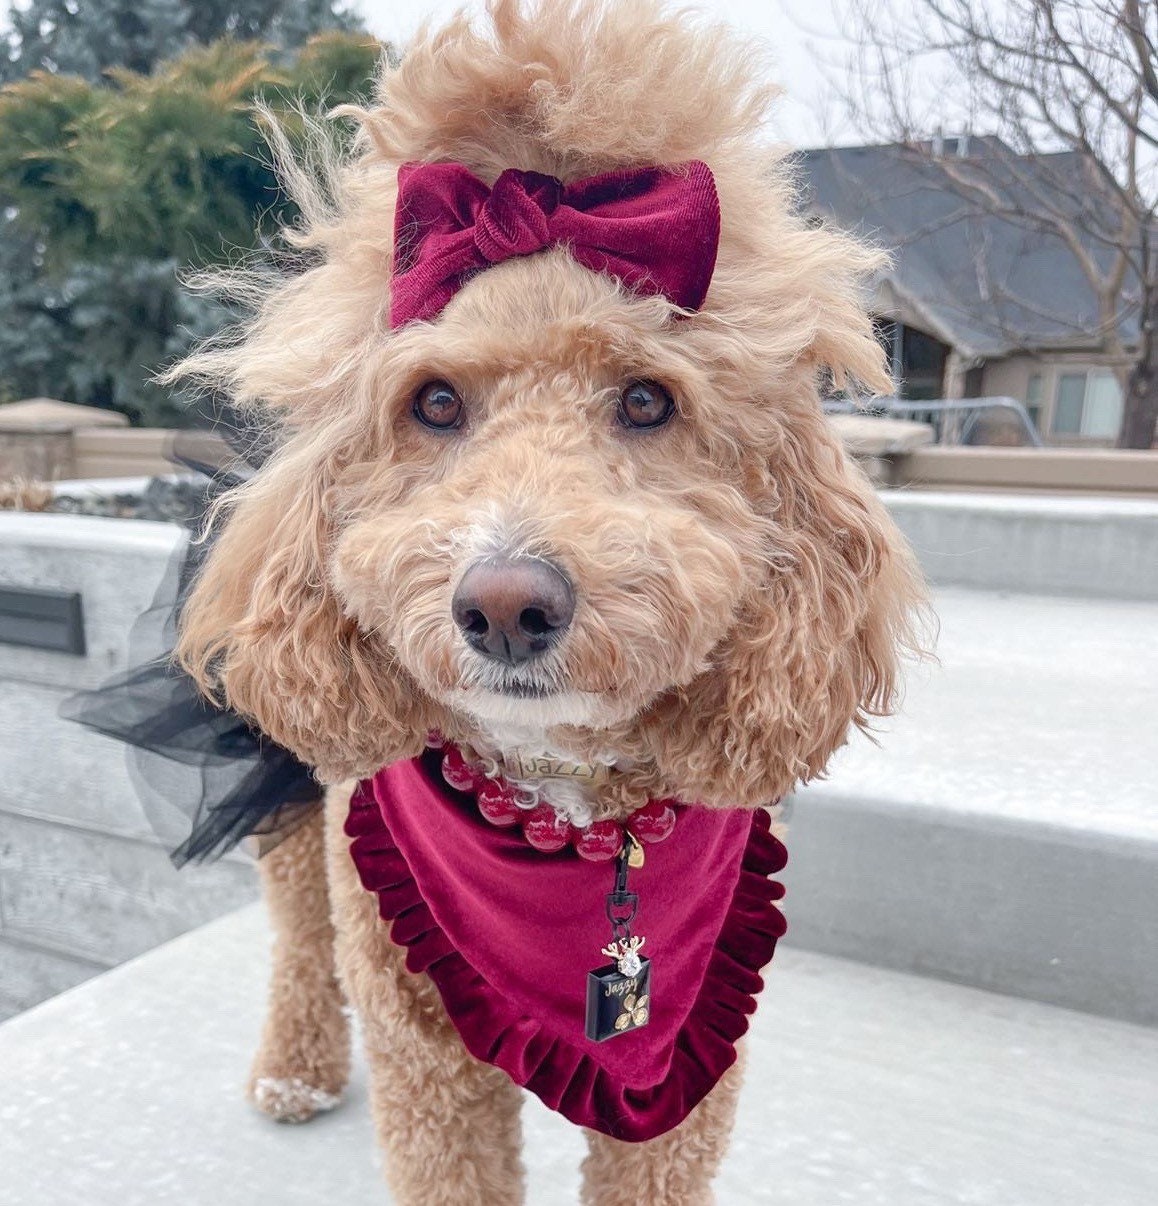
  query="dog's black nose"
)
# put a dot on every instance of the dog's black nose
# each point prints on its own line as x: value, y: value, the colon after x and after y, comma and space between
x: 512, y: 608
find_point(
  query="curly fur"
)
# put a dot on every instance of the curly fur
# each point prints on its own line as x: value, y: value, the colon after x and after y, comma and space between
x: 742, y: 595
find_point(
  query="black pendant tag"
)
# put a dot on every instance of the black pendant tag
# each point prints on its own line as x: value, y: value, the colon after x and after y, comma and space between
x: 617, y: 1004
x: 619, y: 995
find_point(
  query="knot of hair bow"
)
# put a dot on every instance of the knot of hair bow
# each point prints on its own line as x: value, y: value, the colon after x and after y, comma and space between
x: 656, y: 230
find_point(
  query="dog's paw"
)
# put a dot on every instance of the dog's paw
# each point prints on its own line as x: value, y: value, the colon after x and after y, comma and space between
x: 290, y: 1099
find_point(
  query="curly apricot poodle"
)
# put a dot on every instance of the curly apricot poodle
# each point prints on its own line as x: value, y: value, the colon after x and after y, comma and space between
x: 561, y: 563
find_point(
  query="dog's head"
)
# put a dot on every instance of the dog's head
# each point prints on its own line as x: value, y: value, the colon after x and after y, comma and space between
x: 560, y: 505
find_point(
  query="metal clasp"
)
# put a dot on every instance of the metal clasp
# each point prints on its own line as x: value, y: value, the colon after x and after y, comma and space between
x: 622, y: 905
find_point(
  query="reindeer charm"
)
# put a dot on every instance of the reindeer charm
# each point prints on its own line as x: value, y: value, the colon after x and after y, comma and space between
x: 625, y: 952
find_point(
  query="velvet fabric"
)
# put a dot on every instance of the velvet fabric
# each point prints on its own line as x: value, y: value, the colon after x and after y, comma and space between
x: 655, y: 229
x: 508, y: 935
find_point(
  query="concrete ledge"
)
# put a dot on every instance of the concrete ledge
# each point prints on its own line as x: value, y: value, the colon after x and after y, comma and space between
x: 1041, y: 713
x: 863, y: 1087
x: 121, y: 453
x: 102, y: 898
x: 1105, y: 471
x: 35, y: 973
x: 1096, y: 547
x: 88, y: 533
x: 83, y: 881
x: 1039, y: 709
x: 89, y: 785
x: 1044, y: 911
x: 115, y: 564
x: 1004, y: 831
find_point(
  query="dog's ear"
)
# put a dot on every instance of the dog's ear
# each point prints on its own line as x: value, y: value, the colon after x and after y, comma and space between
x: 263, y: 632
x: 842, y: 344
x: 816, y: 647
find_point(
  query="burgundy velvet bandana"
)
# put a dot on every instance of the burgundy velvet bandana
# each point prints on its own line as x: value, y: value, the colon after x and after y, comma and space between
x: 655, y: 229
x: 508, y: 934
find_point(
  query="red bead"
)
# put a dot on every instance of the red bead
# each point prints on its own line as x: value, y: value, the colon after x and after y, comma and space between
x: 497, y: 803
x: 458, y: 772
x: 653, y: 822
x: 435, y: 740
x: 545, y: 829
x: 600, y: 841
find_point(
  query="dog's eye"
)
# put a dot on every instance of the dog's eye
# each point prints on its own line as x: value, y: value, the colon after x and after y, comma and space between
x: 645, y: 404
x: 438, y: 405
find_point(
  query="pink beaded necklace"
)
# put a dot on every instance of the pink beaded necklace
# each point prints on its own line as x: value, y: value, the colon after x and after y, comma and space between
x: 544, y: 829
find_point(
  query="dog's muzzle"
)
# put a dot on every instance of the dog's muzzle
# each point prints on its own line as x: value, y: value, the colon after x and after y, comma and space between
x: 513, y: 609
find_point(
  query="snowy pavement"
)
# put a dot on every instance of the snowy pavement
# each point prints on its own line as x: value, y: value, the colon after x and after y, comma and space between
x: 1041, y: 709
x: 865, y: 1087
x: 1004, y: 831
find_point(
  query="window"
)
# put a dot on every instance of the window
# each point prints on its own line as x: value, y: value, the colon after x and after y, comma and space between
x: 1103, y: 413
x: 922, y: 365
x: 1033, y: 399
x: 1088, y: 404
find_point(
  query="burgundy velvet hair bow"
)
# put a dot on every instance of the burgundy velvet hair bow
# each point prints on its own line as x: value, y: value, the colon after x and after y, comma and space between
x: 655, y: 229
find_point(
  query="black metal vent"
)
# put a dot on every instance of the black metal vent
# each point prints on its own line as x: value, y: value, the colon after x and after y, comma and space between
x: 42, y: 619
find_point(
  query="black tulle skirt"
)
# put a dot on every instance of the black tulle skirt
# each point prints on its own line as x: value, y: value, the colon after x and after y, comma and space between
x: 205, y: 778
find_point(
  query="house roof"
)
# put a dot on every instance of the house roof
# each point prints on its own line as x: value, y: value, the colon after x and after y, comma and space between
x: 986, y: 284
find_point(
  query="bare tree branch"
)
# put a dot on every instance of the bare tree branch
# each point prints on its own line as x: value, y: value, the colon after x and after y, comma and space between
x: 1033, y: 78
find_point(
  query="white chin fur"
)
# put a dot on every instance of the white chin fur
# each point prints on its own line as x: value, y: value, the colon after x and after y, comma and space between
x: 495, y: 710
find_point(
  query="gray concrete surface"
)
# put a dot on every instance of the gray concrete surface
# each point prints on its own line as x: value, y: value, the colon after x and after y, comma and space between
x: 865, y: 1087
x: 116, y: 564
x: 1035, y: 731
x: 1004, y: 832
x: 1029, y: 908
x: 1096, y: 546
x: 84, y: 884
x: 1040, y: 709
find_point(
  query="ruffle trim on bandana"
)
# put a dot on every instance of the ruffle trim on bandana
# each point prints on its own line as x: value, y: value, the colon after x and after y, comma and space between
x: 565, y: 1078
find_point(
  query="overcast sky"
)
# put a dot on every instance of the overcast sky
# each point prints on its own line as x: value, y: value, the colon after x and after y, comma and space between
x: 799, y: 34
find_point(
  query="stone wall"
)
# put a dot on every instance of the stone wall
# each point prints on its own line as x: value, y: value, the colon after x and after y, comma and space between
x: 58, y: 453
x: 84, y: 884
x: 1110, y: 472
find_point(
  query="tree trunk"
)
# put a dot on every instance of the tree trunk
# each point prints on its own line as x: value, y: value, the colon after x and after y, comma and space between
x: 1141, y: 412
x: 1141, y: 406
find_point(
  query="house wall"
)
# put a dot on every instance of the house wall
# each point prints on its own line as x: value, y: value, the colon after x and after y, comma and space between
x: 1006, y: 377
x: 1010, y: 378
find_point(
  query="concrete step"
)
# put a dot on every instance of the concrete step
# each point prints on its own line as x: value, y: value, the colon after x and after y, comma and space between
x: 1093, y: 545
x: 1004, y: 833
x: 864, y: 1086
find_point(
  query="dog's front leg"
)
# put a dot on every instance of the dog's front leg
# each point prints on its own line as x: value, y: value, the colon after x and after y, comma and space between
x: 448, y: 1124
x: 674, y: 1170
x: 303, y: 1062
